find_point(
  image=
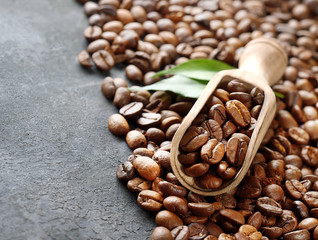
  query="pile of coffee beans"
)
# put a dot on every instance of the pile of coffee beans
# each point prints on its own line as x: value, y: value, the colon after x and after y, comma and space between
x: 214, y: 147
x: 278, y: 199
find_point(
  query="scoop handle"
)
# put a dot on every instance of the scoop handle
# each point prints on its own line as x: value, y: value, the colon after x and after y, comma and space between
x: 265, y: 57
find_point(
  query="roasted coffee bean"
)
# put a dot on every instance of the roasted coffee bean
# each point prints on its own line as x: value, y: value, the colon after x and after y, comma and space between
x: 213, y: 229
x: 143, y: 152
x: 308, y: 223
x: 225, y: 171
x: 228, y: 129
x: 287, y: 221
x: 125, y: 171
x: 155, y: 134
x: 298, y: 135
x: 131, y: 110
x: 84, y: 59
x: 193, y: 139
x: 210, y: 180
x: 272, y: 232
x: 194, y: 219
x: 268, y: 207
x: 169, y: 189
x: 311, y: 199
x: 150, y: 200
x: 163, y: 158
x: 134, y: 74
x: 212, y: 151
x: 232, y: 216
x: 92, y: 33
x: 138, y: 184
x: 297, y: 235
x: 172, y: 130
x: 161, y: 233
x: 295, y: 189
x: 273, y: 191
x: 176, y: 204
x: 168, y: 219
x: 180, y: 233
x: 218, y: 113
x: 121, y: 97
x: 103, y: 60
x: 238, y: 112
x: 148, y: 120
x: 201, y: 209
x: 118, y: 125
x: 146, y: 167
x: 197, y: 170
x: 213, y: 128
x: 309, y: 154
x: 236, y: 150
x: 255, y: 220
x: 276, y: 169
x: 301, y: 210
x: 197, y: 231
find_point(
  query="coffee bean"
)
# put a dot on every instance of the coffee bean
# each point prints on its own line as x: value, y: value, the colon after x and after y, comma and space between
x: 150, y: 200
x: 309, y: 155
x: 180, y: 233
x: 84, y: 59
x: 163, y: 158
x: 225, y: 171
x: 92, y: 33
x: 148, y: 120
x: 272, y: 232
x: 297, y: 235
x: 274, y: 191
x: 138, y: 184
x: 210, y: 180
x: 197, y: 231
x: 134, y: 74
x: 131, y: 110
x: 197, y: 170
x: 103, y: 60
x: 255, y: 220
x: 236, y: 150
x: 201, y: 209
x: 136, y: 139
x: 268, y: 207
x: 298, y: 135
x: 232, y: 216
x: 311, y: 199
x: 238, y: 112
x: 118, y: 125
x: 121, y: 97
x: 146, y: 167
x: 125, y: 171
x: 193, y: 139
x: 295, y: 189
x: 212, y: 151
x: 161, y: 233
x: 169, y: 189
x: 168, y: 219
x: 176, y: 204
x: 300, y: 209
x: 213, y: 128
x: 287, y: 221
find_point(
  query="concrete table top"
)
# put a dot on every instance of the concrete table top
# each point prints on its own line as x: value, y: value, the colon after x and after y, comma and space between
x: 57, y: 158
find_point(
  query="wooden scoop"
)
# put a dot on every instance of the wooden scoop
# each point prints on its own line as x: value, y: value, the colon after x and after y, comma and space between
x: 262, y: 64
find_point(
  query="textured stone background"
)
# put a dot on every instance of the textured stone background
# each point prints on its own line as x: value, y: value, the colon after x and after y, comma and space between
x: 57, y: 157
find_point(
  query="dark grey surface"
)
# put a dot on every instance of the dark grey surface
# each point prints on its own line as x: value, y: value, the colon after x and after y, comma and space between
x: 57, y: 157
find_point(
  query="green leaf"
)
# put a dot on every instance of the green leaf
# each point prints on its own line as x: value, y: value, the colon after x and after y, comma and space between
x: 200, y: 69
x: 277, y: 94
x: 178, y: 84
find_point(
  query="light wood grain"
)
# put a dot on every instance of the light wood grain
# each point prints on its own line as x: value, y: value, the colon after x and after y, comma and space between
x: 262, y: 64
